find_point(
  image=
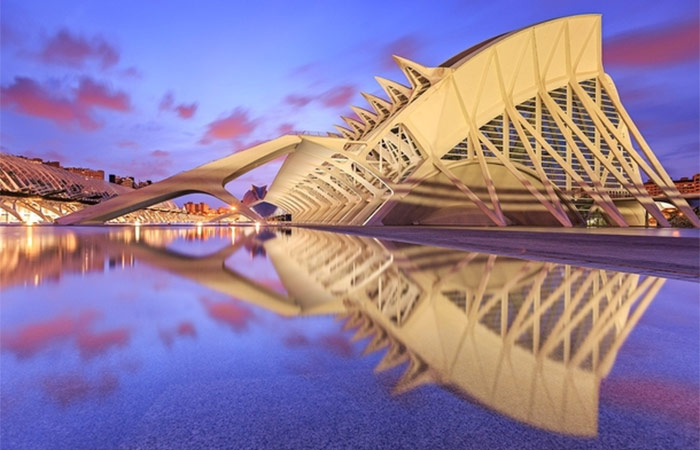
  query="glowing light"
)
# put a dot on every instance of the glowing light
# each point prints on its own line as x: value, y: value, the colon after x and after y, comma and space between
x: 233, y: 208
x: 30, y: 239
x: 71, y: 243
x: 257, y: 227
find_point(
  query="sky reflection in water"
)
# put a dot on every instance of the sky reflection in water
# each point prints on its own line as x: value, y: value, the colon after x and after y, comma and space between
x: 194, y: 337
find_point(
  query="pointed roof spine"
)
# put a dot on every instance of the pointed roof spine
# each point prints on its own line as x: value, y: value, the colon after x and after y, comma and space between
x: 393, y: 357
x: 421, y: 77
x: 349, y: 134
x: 416, y: 374
x: 377, y: 342
x: 417, y: 73
x: 366, y: 329
x: 358, y: 126
x: 397, y: 92
x: 417, y: 81
x: 369, y: 118
x: 381, y: 106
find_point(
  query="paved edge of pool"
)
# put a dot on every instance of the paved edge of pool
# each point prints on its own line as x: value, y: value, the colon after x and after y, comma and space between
x: 642, y: 252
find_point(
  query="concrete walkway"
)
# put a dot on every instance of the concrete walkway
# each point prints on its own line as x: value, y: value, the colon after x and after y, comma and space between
x: 665, y: 253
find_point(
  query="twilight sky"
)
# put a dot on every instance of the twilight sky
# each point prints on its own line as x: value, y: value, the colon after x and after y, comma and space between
x: 138, y: 88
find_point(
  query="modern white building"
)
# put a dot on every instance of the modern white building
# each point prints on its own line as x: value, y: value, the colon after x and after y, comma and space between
x: 525, y: 128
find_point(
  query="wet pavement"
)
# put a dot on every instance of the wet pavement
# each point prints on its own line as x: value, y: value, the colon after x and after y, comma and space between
x: 232, y: 337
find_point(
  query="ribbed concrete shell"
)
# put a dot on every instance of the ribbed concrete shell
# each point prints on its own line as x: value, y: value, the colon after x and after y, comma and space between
x: 523, y: 129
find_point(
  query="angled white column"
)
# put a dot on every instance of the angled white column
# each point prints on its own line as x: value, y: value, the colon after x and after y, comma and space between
x: 209, y: 179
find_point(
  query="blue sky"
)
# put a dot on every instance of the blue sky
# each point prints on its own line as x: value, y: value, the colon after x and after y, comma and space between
x: 145, y: 89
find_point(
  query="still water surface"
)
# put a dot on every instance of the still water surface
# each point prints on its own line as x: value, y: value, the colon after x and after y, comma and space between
x: 291, y: 338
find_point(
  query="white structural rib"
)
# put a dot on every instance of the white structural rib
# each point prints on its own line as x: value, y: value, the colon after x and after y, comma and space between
x: 523, y: 129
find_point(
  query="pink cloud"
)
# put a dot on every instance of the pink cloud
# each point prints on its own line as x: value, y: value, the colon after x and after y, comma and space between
x: 130, y: 364
x: 106, y: 384
x: 186, y: 111
x: 298, y: 100
x: 285, y: 128
x: 406, y: 47
x: 673, y: 43
x: 160, y: 283
x: 230, y: 313
x: 674, y: 400
x: 94, y: 344
x: 186, y: 329
x: 127, y: 144
x: 132, y: 72
x: 336, y: 97
x: 236, y: 125
x: 68, y: 389
x: 296, y: 339
x: 67, y: 49
x: 166, y: 103
x: 28, y: 97
x: 183, y: 111
x: 160, y: 154
x: 166, y: 337
x: 93, y: 94
x: 183, y: 329
x: 34, y: 337
x: 305, y: 69
x: 339, y: 96
x: 337, y: 344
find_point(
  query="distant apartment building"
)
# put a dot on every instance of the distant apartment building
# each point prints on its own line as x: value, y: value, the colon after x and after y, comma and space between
x: 88, y: 173
x: 122, y: 181
x: 685, y: 186
x: 201, y: 208
x: 129, y: 182
x: 41, y: 161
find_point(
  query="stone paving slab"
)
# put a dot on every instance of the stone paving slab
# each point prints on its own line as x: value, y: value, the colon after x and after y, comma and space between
x: 664, y: 253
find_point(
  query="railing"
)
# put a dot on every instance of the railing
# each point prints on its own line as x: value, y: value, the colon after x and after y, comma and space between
x: 307, y: 133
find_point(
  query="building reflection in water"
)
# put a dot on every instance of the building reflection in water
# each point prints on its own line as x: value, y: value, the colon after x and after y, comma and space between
x: 531, y: 340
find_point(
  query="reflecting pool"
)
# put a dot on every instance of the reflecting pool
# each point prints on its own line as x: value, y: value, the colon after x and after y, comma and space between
x: 205, y: 337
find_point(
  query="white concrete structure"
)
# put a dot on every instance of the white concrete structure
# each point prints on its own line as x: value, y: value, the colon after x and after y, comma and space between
x: 35, y: 193
x: 523, y: 129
